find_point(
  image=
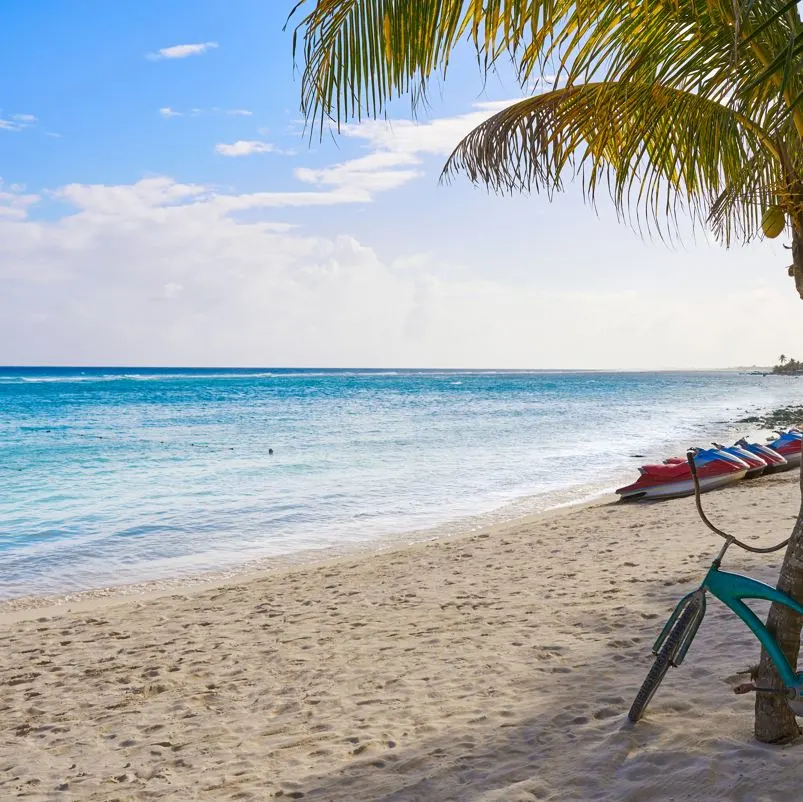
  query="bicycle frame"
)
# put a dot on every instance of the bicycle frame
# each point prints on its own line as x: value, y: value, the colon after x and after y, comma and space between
x: 731, y: 589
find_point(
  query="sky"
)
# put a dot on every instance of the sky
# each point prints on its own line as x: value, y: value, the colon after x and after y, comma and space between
x: 161, y: 204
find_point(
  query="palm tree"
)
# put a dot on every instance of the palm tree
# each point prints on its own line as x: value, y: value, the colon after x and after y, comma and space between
x: 672, y: 106
x: 782, y: 359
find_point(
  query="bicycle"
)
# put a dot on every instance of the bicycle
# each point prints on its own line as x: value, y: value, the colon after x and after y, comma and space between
x: 678, y: 633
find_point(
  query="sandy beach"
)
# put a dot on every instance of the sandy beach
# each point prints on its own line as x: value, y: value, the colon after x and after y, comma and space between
x: 495, y: 666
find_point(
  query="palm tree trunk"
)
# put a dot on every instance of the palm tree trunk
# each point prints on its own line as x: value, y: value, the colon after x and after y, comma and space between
x: 775, y: 722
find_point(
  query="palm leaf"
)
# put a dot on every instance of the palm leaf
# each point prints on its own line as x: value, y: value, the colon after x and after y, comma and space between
x: 666, y: 103
x: 655, y: 149
x: 361, y: 54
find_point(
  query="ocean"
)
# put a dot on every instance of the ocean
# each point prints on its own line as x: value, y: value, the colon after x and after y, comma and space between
x: 111, y: 476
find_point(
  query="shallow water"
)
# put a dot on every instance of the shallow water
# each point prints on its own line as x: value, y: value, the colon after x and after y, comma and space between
x: 112, y: 476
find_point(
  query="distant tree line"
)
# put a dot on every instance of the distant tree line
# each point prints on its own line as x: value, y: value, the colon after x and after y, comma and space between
x: 787, y: 365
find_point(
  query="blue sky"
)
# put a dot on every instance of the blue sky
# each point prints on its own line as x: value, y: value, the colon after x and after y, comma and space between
x: 161, y: 205
x: 82, y: 66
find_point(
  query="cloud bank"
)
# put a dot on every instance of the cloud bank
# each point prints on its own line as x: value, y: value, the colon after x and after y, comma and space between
x: 164, y: 272
x: 160, y: 272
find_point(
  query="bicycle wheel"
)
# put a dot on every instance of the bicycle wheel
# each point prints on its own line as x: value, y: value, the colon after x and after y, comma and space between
x: 664, y: 659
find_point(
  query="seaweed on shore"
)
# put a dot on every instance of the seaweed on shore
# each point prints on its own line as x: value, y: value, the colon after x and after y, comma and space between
x: 778, y: 418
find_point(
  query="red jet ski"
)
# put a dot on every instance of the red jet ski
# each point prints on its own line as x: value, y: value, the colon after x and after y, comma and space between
x: 672, y: 479
x: 788, y: 446
x: 775, y: 461
x: 756, y: 464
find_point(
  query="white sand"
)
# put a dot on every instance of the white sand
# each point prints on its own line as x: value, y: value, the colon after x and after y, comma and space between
x: 496, y: 666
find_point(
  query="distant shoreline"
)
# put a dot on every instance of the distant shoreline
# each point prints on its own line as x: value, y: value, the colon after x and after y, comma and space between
x: 787, y: 373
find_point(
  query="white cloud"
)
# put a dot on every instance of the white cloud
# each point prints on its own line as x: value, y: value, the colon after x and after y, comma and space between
x: 434, y: 137
x: 107, y: 266
x: 398, y: 151
x: 154, y: 196
x: 181, y: 51
x: 14, y: 201
x: 276, y: 200
x: 245, y: 147
x: 171, y: 290
x: 167, y: 111
x: 160, y: 272
x: 150, y: 197
x: 373, y: 173
x: 396, y: 145
x: 17, y: 122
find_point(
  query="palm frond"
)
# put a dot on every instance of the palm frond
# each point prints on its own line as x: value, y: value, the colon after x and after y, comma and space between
x: 656, y: 150
x: 666, y: 103
x: 361, y: 54
x: 701, y: 45
x: 737, y: 212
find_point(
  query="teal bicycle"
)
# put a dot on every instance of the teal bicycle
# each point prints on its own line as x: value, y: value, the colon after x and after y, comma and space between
x: 731, y: 589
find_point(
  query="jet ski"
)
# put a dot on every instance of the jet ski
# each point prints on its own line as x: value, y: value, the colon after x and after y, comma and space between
x: 757, y: 465
x: 788, y: 445
x: 672, y: 478
x: 775, y: 462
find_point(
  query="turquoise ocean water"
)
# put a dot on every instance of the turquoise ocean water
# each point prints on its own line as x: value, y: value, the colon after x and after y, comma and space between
x: 113, y: 476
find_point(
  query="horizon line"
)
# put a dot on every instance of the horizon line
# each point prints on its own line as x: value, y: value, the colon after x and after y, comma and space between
x: 44, y: 366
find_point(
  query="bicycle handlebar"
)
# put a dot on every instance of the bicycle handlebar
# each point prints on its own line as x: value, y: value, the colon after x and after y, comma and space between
x: 690, y: 454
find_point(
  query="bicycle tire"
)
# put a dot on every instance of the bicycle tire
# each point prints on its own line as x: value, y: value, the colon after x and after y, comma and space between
x: 663, y: 660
